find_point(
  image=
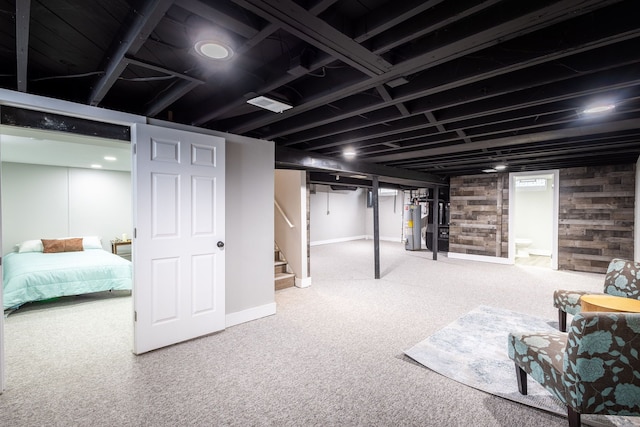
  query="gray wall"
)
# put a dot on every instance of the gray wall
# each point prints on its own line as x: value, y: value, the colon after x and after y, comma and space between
x: 50, y: 202
x: 337, y: 216
x: 389, y: 217
x: 343, y: 215
x: 249, y: 227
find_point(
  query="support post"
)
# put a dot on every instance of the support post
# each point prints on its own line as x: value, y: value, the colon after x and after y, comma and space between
x: 376, y: 227
x: 436, y: 221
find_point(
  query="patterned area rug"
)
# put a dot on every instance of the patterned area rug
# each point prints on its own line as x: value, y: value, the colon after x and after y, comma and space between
x: 473, y: 351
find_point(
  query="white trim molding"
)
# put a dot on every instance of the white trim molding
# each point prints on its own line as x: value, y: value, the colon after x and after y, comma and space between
x: 233, y: 319
x: 303, y: 282
x: 340, y: 240
x: 482, y: 258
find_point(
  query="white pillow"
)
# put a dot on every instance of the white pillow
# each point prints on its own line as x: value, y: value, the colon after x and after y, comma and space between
x: 31, y: 246
x: 91, y: 242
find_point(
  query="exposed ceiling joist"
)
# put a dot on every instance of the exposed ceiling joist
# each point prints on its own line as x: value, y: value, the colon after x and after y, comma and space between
x: 287, y: 157
x: 432, y: 87
x: 23, y: 16
x: 300, y: 22
x: 515, y: 140
x: 135, y: 35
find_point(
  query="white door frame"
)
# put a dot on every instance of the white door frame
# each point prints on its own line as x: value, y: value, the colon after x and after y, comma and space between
x: 66, y: 108
x: 512, y: 209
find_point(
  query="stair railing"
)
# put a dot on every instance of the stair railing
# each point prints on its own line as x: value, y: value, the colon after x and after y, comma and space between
x: 283, y: 214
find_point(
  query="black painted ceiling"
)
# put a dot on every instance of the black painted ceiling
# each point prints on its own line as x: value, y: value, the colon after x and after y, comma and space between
x: 425, y: 89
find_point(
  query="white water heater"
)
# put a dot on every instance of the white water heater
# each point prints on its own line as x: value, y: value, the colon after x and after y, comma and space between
x: 412, y: 216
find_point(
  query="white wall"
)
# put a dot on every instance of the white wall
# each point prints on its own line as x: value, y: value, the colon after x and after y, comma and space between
x: 290, y: 193
x: 534, y: 217
x: 250, y: 288
x: 49, y: 202
x: 337, y: 216
x: 390, y: 217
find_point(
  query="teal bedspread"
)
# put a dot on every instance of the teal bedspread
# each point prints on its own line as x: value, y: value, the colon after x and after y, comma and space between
x: 35, y: 276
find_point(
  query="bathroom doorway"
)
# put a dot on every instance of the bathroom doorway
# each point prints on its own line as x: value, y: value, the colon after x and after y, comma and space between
x: 533, y: 218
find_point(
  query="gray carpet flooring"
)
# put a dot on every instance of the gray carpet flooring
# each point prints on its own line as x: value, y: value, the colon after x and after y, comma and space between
x: 331, y: 356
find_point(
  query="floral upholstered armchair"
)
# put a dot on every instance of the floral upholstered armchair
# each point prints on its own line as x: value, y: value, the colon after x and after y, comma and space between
x: 592, y: 369
x: 622, y: 279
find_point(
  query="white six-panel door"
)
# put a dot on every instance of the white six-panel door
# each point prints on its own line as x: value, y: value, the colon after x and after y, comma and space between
x: 178, y: 248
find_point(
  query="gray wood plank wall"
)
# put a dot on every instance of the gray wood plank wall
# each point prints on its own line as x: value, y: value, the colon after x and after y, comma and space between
x: 595, y: 224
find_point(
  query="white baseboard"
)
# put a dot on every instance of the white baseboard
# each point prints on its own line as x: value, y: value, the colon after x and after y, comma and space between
x: 254, y: 313
x: 541, y: 252
x: 342, y: 239
x: 387, y: 239
x: 303, y: 283
x: 348, y: 239
x: 482, y: 258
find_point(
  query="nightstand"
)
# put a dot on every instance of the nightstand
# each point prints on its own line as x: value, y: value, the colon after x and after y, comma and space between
x: 116, y: 244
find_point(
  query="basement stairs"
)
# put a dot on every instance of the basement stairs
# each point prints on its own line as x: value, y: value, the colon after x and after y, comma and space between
x: 283, y: 279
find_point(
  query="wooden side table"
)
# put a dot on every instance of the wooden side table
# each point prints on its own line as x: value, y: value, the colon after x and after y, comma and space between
x: 115, y: 245
x: 609, y: 303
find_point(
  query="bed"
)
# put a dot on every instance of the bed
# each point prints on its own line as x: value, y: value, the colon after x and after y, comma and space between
x: 37, y: 275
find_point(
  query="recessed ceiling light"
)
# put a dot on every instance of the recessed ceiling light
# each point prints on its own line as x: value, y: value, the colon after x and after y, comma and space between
x: 110, y: 158
x: 349, y: 153
x: 269, y: 104
x: 489, y: 170
x: 601, y: 108
x: 213, y: 49
x: 500, y: 167
x: 96, y: 166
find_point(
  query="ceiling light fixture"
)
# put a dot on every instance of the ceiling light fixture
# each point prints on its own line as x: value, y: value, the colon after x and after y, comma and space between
x: 269, y: 104
x: 489, y: 170
x: 600, y: 108
x: 96, y: 166
x: 213, y: 49
x: 500, y: 167
x: 110, y: 158
x: 349, y: 153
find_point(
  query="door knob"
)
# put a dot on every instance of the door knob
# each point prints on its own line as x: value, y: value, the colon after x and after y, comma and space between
x: 221, y: 244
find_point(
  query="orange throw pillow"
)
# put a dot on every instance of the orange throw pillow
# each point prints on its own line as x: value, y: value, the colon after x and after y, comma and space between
x: 62, y: 245
x: 73, y: 245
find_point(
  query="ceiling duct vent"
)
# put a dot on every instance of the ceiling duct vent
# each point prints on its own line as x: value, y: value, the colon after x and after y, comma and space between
x: 269, y: 104
x: 343, y: 188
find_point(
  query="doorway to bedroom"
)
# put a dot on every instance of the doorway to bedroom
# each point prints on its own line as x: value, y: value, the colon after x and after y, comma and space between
x: 57, y: 185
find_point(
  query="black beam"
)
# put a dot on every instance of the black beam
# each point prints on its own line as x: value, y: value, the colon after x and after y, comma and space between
x: 179, y: 90
x: 214, y: 15
x: 437, y: 84
x: 170, y: 97
x: 149, y: 66
x: 386, y: 97
x: 33, y: 119
x: 304, y: 25
x: 505, y: 100
x: 524, y: 24
x: 23, y: 14
x: 144, y: 22
x: 390, y: 16
x: 514, y: 140
x: 308, y: 161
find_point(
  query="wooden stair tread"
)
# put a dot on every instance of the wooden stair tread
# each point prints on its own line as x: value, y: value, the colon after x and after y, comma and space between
x: 284, y: 280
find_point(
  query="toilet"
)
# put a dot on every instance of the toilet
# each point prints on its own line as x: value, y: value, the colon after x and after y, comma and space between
x: 522, y: 247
